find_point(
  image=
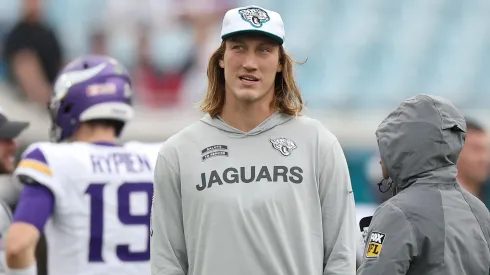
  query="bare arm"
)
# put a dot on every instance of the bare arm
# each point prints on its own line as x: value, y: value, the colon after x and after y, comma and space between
x: 27, y: 70
x: 21, y: 244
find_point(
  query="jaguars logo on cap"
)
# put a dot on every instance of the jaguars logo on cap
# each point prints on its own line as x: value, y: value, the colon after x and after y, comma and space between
x: 255, y: 16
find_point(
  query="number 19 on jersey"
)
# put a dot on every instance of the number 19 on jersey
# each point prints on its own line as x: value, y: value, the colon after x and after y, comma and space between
x: 96, y: 193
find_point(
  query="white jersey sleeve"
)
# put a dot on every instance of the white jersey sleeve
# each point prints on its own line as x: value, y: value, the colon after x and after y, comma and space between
x: 36, y: 165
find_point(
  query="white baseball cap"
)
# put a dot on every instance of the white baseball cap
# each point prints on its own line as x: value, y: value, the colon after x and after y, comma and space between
x: 253, y: 19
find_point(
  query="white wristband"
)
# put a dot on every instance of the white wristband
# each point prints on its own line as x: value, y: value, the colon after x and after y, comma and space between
x: 31, y: 270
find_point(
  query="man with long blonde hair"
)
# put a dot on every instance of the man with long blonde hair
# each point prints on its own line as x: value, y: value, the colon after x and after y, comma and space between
x: 254, y: 187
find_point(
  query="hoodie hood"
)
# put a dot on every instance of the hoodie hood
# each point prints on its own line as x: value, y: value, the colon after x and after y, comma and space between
x: 420, y: 141
x: 271, y: 122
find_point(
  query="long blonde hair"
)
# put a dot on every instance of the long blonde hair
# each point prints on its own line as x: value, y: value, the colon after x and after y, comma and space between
x: 287, y: 96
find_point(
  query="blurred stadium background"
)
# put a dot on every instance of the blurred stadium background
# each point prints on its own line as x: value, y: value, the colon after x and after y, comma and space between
x: 363, y: 58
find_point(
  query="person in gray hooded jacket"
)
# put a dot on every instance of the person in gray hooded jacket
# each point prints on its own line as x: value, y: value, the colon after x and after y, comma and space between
x: 431, y: 225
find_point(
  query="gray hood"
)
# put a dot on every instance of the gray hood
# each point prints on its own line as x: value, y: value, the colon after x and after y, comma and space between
x: 271, y: 122
x: 421, y: 140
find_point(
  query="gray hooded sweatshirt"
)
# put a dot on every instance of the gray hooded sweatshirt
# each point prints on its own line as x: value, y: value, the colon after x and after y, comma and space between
x: 431, y: 226
x: 273, y: 201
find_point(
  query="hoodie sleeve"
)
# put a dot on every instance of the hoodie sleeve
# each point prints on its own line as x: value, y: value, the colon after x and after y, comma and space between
x: 338, y: 214
x: 390, y: 245
x: 167, y: 247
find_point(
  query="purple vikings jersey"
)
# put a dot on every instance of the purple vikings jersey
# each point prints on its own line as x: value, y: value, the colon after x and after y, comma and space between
x: 101, y: 212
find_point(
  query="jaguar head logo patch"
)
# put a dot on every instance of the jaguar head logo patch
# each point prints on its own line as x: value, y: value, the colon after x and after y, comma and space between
x: 283, y: 145
x: 255, y: 16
